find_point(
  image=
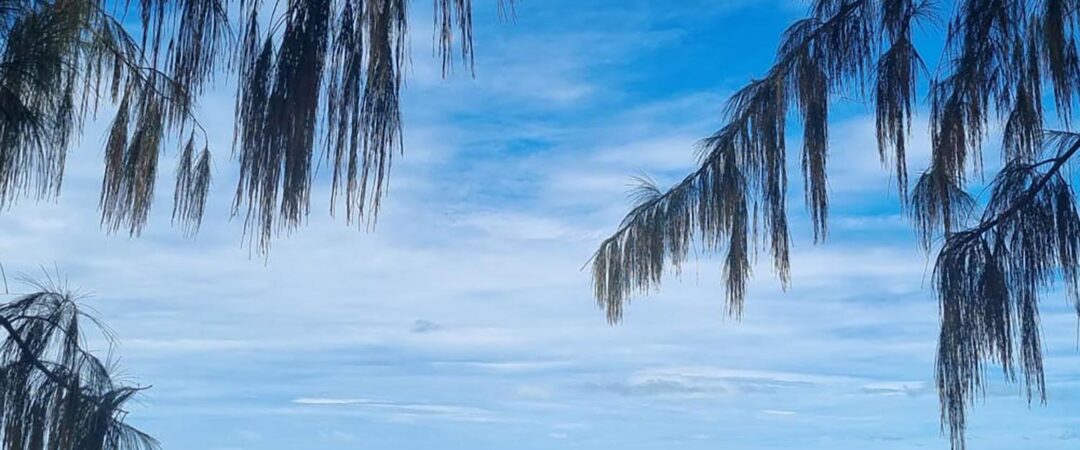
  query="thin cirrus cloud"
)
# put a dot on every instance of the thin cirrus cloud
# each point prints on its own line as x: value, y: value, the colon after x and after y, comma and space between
x: 406, y: 411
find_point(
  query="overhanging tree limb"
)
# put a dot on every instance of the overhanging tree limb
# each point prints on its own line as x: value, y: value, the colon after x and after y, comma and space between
x: 998, y: 56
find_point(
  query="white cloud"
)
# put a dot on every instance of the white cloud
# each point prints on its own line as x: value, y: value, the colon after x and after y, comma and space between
x: 773, y: 412
x: 331, y: 401
x: 403, y: 411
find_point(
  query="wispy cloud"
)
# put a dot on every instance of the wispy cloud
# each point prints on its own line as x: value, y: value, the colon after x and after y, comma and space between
x: 400, y: 411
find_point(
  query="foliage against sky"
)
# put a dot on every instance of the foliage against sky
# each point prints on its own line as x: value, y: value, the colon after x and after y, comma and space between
x: 316, y: 82
x: 54, y: 391
x: 509, y: 182
x: 1011, y: 66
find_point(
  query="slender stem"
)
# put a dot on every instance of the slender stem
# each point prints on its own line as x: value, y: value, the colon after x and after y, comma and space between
x: 4, y: 323
x: 49, y: 373
x: 1058, y: 163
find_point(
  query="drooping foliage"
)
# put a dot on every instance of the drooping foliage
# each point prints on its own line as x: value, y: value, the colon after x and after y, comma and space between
x: 1011, y: 65
x: 54, y: 394
x: 313, y: 77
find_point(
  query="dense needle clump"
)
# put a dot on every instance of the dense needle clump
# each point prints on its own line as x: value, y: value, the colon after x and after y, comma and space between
x: 53, y: 392
x: 990, y: 270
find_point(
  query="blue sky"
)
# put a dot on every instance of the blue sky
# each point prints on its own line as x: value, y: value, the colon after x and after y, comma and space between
x: 464, y: 320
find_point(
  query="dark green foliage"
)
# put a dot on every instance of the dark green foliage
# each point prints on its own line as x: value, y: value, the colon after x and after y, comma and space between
x: 312, y: 75
x: 999, y: 56
x: 989, y: 279
x: 54, y: 394
x: 192, y: 186
x: 277, y: 117
x: 743, y: 170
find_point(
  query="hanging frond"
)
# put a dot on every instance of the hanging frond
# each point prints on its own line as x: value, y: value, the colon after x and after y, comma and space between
x: 897, y: 74
x: 998, y: 56
x: 743, y: 169
x: 201, y: 40
x: 989, y: 280
x: 131, y: 167
x: 810, y: 87
x: 33, y: 65
x: 1056, y: 27
x: 1023, y: 132
x: 347, y: 60
x: 453, y: 17
x: 453, y: 22
x: 369, y: 131
x: 986, y: 66
x: 192, y: 187
x: 939, y: 206
x: 277, y: 122
x: 314, y: 75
